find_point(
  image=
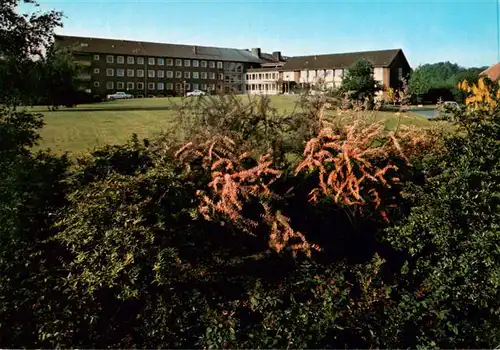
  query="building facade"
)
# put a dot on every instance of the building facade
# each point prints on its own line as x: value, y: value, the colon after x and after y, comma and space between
x: 146, y: 69
x: 153, y: 69
x: 390, y: 66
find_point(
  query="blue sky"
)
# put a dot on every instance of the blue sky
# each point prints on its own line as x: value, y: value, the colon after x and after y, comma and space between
x: 428, y: 31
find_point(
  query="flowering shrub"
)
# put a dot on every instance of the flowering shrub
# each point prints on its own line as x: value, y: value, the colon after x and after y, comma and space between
x: 366, y: 238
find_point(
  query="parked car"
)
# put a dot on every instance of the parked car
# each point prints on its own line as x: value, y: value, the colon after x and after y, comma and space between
x: 196, y: 93
x: 119, y: 95
x: 451, y: 105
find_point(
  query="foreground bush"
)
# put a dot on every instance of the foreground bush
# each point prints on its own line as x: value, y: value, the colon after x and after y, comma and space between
x: 257, y: 230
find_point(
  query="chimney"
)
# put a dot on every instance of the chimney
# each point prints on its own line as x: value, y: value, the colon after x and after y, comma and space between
x: 277, y: 55
x: 195, y: 50
x: 256, y: 52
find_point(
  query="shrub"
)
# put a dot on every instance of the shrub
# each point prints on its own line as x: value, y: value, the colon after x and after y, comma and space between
x: 367, y: 238
x: 449, y: 283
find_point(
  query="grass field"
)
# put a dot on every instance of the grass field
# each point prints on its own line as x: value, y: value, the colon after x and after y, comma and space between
x: 88, y: 126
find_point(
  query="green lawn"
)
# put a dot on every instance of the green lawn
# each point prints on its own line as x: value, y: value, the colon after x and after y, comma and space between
x: 87, y: 126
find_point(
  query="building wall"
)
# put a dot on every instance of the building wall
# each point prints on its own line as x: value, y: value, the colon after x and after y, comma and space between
x: 387, y: 78
x: 266, y: 82
x: 289, y: 76
x: 217, y: 76
x: 399, y: 68
x: 334, y: 77
x: 378, y: 75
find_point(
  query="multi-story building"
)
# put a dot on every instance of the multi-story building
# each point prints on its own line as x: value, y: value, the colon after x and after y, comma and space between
x: 154, y: 69
x: 390, y: 66
x: 268, y: 79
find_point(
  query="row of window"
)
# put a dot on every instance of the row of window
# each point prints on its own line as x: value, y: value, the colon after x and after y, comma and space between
x: 253, y: 76
x: 302, y: 74
x: 110, y: 72
x: 160, y: 61
x: 120, y: 85
x: 261, y: 87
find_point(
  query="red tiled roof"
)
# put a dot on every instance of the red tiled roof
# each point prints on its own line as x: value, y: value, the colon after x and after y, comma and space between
x: 493, y: 72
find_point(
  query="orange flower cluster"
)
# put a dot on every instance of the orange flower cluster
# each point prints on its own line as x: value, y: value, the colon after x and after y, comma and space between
x: 282, y: 233
x: 345, y: 163
x: 232, y: 186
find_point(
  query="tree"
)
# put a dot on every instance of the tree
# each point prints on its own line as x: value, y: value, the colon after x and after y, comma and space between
x: 58, y: 78
x: 419, y: 83
x: 359, y: 81
x: 23, y: 38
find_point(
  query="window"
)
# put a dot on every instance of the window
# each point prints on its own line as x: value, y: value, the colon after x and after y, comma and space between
x: 130, y: 60
x: 260, y: 75
x: 219, y: 65
x: 178, y: 74
x: 248, y: 76
x: 400, y: 73
x: 221, y: 76
x: 203, y: 75
x: 196, y: 63
x: 170, y: 62
x: 140, y: 60
x: 177, y: 86
x: 161, y: 86
x: 110, y: 59
x: 140, y: 86
x: 196, y: 75
x: 151, y: 73
x: 160, y: 74
x: 120, y: 59
x: 110, y: 72
x: 110, y: 85
x: 212, y: 86
x: 151, y: 61
x: 120, y: 85
x: 212, y: 75
x: 96, y: 84
x: 254, y: 76
x: 130, y: 86
x: 140, y: 73
x: 170, y: 86
x: 120, y: 72
x: 178, y: 63
x: 188, y: 86
x: 170, y: 74
x: 151, y: 86
x: 161, y: 61
x: 130, y: 72
x: 211, y: 64
x: 96, y: 57
x: 96, y: 71
x: 203, y: 86
x: 196, y: 86
x: 187, y: 75
x: 203, y: 64
x: 187, y: 63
